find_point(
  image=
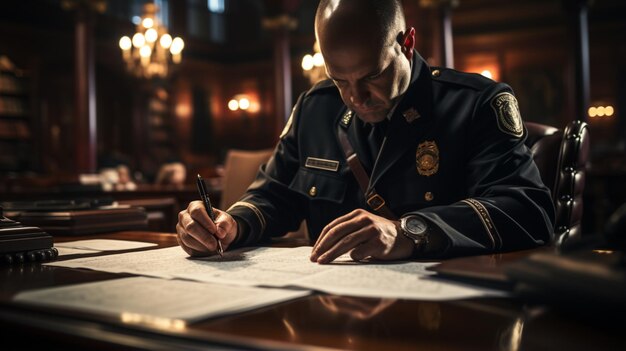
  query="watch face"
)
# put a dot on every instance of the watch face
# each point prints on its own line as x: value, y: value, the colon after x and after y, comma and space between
x: 415, y: 225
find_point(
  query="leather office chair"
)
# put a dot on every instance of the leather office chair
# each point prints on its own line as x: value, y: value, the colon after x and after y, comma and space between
x: 240, y: 169
x: 561, y: 156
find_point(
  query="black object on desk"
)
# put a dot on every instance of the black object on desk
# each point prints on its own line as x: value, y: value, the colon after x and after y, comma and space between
x: 587, y: 281
x: 19, y: 244
x: 79, y: 216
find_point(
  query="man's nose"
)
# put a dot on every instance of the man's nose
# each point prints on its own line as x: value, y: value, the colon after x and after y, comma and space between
x: 359, y: 95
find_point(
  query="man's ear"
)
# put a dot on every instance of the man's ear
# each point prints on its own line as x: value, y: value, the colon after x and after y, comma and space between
x: 407, y: 42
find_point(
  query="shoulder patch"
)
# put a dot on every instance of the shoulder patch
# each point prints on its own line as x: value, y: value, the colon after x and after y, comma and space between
x: 507, y: 114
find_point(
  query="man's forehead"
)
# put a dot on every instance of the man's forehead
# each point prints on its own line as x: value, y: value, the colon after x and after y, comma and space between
x: 358, y: 61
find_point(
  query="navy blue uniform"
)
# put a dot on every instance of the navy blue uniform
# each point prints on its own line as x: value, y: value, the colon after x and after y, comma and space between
x: 454, y: 154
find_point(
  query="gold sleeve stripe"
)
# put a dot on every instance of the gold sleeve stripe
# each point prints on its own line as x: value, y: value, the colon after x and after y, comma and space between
x: 254, y: 209
x: 490, y: 228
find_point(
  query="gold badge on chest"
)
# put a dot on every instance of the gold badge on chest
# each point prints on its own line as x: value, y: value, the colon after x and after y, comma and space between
x: 427, y: 158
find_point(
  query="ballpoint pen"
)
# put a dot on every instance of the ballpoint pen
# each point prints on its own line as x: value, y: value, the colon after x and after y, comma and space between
x: 209, y: 209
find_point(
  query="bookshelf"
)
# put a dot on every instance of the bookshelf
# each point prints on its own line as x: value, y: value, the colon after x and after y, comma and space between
x: 161, y: 128
x: 16, y: 136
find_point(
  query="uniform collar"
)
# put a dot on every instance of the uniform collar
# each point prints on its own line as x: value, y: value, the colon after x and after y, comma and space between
x: 418, y: 96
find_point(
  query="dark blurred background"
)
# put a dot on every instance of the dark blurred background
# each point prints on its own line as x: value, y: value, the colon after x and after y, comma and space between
x: 70, y: 106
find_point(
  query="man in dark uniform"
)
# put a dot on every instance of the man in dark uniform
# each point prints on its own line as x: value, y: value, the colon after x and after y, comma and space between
x: 390, y: 159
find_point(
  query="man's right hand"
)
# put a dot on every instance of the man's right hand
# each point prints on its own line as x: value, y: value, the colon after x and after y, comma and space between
x: 197, y: 232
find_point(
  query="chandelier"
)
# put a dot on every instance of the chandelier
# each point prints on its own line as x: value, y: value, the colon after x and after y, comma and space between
x: 149, y: 52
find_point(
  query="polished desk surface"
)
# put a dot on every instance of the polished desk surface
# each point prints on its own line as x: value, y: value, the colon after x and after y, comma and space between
x: 315, y: 322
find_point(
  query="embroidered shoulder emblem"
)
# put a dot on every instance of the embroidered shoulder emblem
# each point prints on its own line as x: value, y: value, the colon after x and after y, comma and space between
x: 508, y: 116
x: 427, y: 158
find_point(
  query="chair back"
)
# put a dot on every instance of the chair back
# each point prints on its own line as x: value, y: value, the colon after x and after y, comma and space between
x: 561, y: 156
x: 240, y: 169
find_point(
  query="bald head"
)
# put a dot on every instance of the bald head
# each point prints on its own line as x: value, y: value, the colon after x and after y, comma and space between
x: 367, y: 53
x: 346, y: 22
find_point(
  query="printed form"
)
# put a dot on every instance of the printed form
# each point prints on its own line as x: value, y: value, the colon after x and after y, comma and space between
x: 288, y: 267
x: 152, y: 299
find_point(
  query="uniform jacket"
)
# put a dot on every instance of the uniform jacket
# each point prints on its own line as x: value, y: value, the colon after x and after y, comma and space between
x: 454, y: 154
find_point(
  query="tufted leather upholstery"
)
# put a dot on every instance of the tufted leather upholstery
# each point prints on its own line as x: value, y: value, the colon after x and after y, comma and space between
x: 561, y: 156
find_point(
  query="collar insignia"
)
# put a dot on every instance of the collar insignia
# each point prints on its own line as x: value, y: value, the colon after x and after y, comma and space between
x: 427, y: 158
x: 411, y: 115
x: 347, y: 117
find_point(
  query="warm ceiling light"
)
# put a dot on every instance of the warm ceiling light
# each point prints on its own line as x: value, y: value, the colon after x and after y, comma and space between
x: 125, y: 43
x: 138, y: 40
x: 151, y: 35
x: 152, y: 47
x: 166, y: 41
x: 147, y: 22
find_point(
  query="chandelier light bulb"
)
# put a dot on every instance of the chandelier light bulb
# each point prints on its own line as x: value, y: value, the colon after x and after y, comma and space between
x: 151, y: 49
x: 151, y: 35
x: 145, y: 51
x: 125, y: 43
x: 307, y: 62
x: 138, y: 40
x: 177, y: 46
x: 166, y: 41
x: 147, y: 22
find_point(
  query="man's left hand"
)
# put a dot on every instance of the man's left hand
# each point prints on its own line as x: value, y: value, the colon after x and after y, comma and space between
x: 364, y: 235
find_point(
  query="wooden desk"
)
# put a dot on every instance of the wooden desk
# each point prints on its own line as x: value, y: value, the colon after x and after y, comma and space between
x: 162, y: 202
x: 316, y: 322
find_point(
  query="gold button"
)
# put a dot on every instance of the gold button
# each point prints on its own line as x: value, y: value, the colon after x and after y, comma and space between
x: 436, y: 73
x: 428, y: 196
x: 313, y: 191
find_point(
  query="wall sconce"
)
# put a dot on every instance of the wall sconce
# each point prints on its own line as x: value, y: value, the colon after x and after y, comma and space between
x: 243, y: 102
x: 601, y: 111
x: 313, y: 65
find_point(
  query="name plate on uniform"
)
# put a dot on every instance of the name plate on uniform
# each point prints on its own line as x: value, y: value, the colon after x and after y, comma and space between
x: 320, y: 163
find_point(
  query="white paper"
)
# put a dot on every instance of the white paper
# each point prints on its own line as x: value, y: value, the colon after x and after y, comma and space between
x: 151, y: 297
x: 287, y: 267
x: 408, y: 280
x: 104, y: 244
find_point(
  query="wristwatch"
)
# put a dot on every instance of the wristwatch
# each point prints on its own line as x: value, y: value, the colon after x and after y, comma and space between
x: 415, y: 228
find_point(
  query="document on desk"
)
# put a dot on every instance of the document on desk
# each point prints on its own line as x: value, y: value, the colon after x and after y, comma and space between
x: 144, y: 299
x: 98, y: 245
x: 287, y: 267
